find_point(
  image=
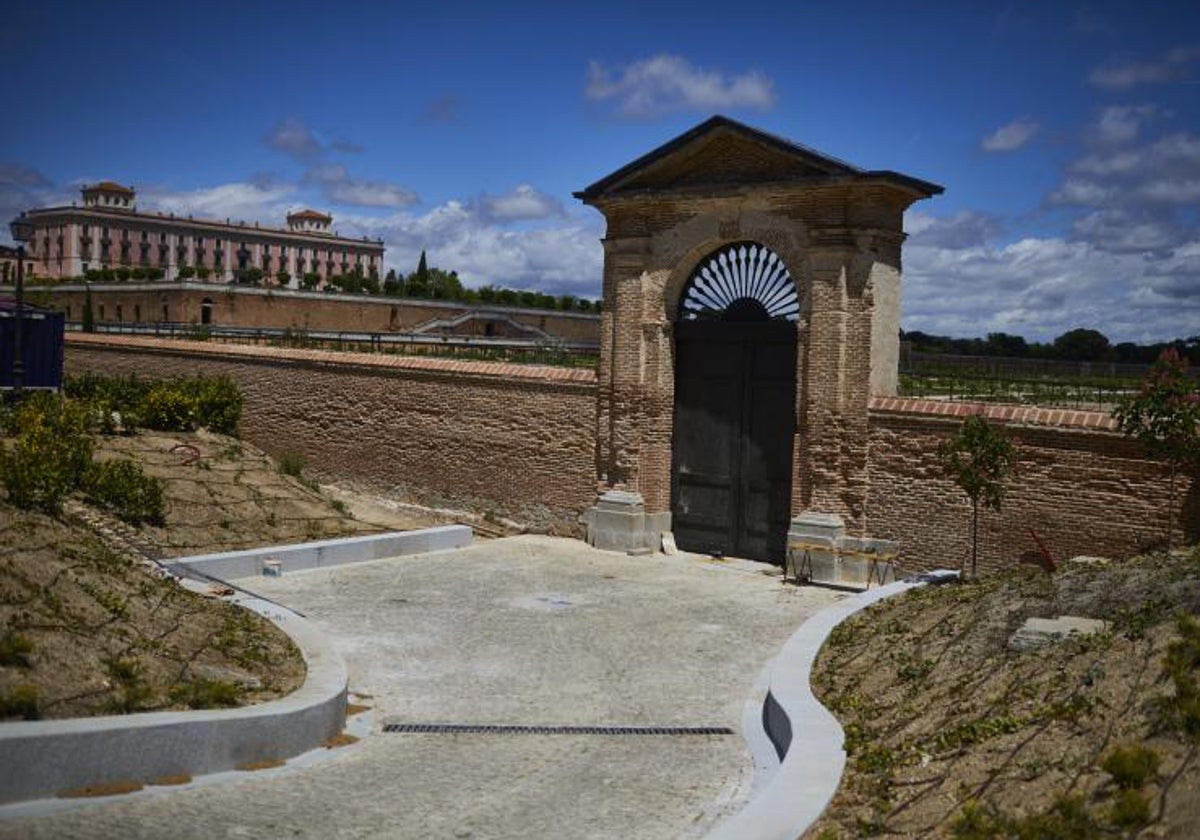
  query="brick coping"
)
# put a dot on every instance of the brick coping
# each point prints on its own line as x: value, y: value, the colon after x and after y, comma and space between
x: 1002, y: 412
x: 376, y: 361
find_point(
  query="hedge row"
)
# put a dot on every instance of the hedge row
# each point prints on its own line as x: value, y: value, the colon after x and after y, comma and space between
x: 169, y: 405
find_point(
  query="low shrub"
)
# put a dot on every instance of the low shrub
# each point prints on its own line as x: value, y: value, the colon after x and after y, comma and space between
x: 14, y: 650
x: 207, y: 694
x: 20, y: 702
x: 168, y: 405
x: 1129, y: 810
x: 132, y: 692
x: 1181, y: 710
x: 51, y: 452
x: 122, y: 487
x: 291, y: 463
x: 1132, y: 766
x: 168, y: 408
x: 218, y: 403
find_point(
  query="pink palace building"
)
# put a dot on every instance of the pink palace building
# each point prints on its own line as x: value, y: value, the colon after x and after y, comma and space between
x: 108, y: 231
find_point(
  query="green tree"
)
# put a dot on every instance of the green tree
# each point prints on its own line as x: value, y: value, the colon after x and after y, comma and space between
x: 1003, y: 344
x: 1082, y: 345
x: 309, y: 280
x: 444, y: 285
x: 186, y: 272
x: 1164, y: 417
x: 422, y: 269
x: 89, y: 317
x: 282, y: 278
x: 979, y: 458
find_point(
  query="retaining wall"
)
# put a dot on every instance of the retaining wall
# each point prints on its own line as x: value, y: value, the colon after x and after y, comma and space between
x: 519, y: 438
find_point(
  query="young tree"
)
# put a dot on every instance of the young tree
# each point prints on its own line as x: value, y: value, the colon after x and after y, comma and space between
x: 979, y: 457
x: 1164, y: 417
x: 89, y: 318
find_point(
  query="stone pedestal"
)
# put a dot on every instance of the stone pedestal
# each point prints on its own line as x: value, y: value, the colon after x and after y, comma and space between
x: 619, y: 522
x: 835, y: 559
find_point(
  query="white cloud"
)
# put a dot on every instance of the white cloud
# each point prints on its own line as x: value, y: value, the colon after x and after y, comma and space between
x: 23, y: 188
x: 967, y: 229
x: 340, y: 188
x: 1011, y: 136
x: 666, y: 83
x: 1120, y: 124
x: 522, y: 204
x: 1042, y: 287
x: 1165, y: 171
x: 266, y: 203
x: 1171, y: 66
x: 293, y: 137
x: 1125, y: 230
x: 558, y: 259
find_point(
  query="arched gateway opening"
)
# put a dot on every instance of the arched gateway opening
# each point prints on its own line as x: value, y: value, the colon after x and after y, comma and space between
x: 734, y: 413
x: 751, y: 312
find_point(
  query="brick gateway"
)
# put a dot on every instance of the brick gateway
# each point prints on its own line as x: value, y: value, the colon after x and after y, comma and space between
x: 672, y: 217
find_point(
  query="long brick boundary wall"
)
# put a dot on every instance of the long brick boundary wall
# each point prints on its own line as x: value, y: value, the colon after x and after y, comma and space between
x: 522, y: 439
x: 1079, y: 485
x: 516, y: 438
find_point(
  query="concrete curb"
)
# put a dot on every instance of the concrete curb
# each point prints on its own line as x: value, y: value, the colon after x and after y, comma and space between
x: 229, y: 565
x: 43, y: 758
x: 797, y: 733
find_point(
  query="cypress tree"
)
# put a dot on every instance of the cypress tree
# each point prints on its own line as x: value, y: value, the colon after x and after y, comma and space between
x: 423, y: 269
x: 89, y: 320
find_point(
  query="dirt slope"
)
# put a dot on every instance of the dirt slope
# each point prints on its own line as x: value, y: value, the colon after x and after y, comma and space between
x: 952, y: 733
x: 87, y: 627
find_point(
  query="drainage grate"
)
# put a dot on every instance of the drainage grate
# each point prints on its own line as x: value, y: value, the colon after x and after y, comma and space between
x: 512, y: 729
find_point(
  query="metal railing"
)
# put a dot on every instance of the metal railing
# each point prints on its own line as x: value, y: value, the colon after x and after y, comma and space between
x: 1048, y: 382
x: 549, y: 351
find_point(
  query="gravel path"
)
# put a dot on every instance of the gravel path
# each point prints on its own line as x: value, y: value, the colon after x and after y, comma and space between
x: 525, y: 630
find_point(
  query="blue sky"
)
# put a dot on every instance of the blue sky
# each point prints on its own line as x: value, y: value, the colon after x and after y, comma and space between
x: 1067, y: 134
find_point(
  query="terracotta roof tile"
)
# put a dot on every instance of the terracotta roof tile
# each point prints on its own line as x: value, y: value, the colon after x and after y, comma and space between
x: 1031, y: 415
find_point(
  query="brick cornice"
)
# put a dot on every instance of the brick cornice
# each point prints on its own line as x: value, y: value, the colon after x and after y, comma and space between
x: 532, y: 374
x: 1004, y: 413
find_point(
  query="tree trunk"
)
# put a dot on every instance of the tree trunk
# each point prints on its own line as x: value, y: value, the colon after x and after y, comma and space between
x: 974, y: 535
x: 1171, y: 508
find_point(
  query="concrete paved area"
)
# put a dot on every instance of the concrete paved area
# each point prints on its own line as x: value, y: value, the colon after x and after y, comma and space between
x: 527, y: 630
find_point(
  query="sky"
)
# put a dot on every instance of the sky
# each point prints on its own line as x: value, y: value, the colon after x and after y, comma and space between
x: 1067, y: 134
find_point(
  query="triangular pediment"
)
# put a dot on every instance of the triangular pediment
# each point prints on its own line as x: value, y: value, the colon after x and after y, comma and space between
x: 721, y: 153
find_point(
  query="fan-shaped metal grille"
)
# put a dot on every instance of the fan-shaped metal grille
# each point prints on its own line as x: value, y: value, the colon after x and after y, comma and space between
x: 743, y: 281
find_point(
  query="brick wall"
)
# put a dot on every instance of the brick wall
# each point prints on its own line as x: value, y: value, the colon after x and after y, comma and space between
x: 522, y: 439
x: 1079, y: 484
x: 517, y: 438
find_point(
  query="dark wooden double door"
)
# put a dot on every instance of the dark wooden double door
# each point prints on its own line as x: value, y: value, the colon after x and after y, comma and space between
x: 735, y: 394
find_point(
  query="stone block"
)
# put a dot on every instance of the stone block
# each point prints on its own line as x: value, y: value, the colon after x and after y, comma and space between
x: 619, y: 522
x: 1040, y: 632
x: 812, y: 527
x: 854, y: 571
